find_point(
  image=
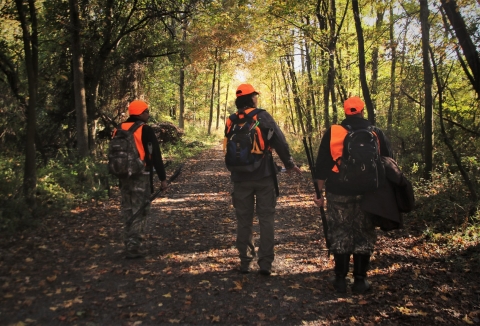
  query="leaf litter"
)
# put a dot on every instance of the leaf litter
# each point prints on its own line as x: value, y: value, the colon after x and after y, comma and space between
x: 72, y: 269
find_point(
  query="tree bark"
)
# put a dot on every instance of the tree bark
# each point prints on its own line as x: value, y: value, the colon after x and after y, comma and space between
x: 296, y: 95
x: 287, y: 94
x: 218, y: 91
x: 181, y: 120
x: 30, y: 46
x: 393, y: 48
x: 362, y: 63
x: 428, y: 81
x: 375, y: 50
x: 212, y: 93
x: 79, y: 81
x: 310, y: 94
x: 463, y: 36
x: 458, y: 160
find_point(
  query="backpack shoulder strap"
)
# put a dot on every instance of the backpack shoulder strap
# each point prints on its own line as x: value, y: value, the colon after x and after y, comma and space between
x: 135, y: 126
x: 254, y: 112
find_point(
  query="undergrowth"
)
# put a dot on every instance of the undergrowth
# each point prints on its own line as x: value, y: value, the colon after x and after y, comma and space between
x: 66, y: 182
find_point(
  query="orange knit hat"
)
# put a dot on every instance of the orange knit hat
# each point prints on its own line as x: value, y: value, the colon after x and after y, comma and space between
x: 245, y: 89
x: 137, y: 107
x: 353, y: 105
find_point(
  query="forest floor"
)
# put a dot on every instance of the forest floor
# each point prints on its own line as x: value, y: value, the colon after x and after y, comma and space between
x: 72, y: 270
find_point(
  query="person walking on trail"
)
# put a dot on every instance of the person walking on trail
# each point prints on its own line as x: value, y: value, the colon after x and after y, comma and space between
x: 350, y: 231
x: 135, y: 189
x: 256, y: 187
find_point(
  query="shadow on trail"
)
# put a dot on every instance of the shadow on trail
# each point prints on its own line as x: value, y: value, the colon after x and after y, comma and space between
x: 73, y: 270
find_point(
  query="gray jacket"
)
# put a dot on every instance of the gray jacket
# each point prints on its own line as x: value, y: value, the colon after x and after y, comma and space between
x: 277, y: 142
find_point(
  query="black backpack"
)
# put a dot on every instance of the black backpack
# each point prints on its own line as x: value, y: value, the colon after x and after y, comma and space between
x: 360, y: 167
x: 123, y: 158
x: 244, y: 144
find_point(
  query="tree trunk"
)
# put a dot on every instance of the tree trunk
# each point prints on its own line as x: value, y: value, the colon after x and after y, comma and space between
x: 296, y: 95
x: 428, y: 81
x: 287, y: 94
x: 393, y: 48
x: 218, y: 92
x: 362, y: 63
x: 374, y: 81
x: 463, y: 36
x: 79, y: 81
x: 212, y: 93
x: 310, y: 102
x: 458, y: 160
x: 181, y: 120
x: 226, y: 104
x: 30, y: 45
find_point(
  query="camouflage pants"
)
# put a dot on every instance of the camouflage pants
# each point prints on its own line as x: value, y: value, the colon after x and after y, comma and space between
x: 350, y: 231
x: 135, y: 192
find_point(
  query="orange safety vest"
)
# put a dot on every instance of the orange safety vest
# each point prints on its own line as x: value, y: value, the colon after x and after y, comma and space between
x: 258, y: 144
x: 338, y: 134
x: 137, y: 135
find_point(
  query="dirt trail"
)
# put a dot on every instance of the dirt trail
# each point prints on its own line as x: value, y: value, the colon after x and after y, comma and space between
x: 72, y: 271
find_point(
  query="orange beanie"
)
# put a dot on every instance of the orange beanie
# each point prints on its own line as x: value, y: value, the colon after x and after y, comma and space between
x: 137, y: 107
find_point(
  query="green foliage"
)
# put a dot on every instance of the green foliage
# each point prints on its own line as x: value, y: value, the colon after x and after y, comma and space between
x: 446, y: 211
x: 193, y: 142
x: 62, y: 183
x: 12, y: 205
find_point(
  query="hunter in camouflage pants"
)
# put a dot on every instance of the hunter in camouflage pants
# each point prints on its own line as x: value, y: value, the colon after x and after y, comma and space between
x: 350, y: 231
x: 135, y: 193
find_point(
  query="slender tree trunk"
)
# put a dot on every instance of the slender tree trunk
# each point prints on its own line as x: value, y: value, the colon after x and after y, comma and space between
x: 332, y: 48
x: 311, y: 93
x: 296, y: 96
x: 374, y: 82
x: 181, y: 120
x: 212, y: 93
x: 458, y: 160
x: 79, y: 81
x: 464, y: 38
x: 218, y: 92
x: 362, y: 63
x: 393, y: 48
x: 226, y: 104
x: 287, y: 94
x: 30, y: 46
x: 428, y: 81
x: 310, y: 97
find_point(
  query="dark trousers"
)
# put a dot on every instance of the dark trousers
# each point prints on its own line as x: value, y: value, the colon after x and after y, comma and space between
x: 248, y: 197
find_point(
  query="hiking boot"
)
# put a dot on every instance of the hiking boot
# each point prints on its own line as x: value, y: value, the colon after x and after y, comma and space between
x: 134, y: 254
x: 360, y: 267
x: 360, y: 286
x: 265, y: 272
x: 244, y: 270
x: 340, y: 284
x: 342, y: 262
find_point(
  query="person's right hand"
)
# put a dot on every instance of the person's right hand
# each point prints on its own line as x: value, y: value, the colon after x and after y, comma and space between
x: 164, y: 185
x: 318, y: 201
